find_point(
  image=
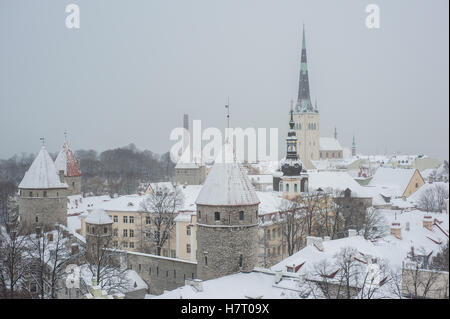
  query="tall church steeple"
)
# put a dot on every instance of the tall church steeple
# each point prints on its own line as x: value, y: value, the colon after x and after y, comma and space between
x: 304, y: 100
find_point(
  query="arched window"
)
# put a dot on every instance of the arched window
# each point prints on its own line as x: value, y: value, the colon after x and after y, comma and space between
x: 281, y: 186
x: 295, y: 188
x: 287, y: 188
x: 206, y: 260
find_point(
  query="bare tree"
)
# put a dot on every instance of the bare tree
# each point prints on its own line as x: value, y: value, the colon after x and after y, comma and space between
x: 433, y: 198
x: 13, y: 264
x: 426, y: 200
x: 420, y: 283
x: 440, y: 261
x: 162, y: 205
x: 105, y: 267
x: 441, y: 195
x: 292, y: 225
x: 375, y: 225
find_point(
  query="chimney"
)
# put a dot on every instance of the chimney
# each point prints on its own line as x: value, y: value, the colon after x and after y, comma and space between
x: 50, y: 237
x: 352, y: 232
x: 407, y: 226
x: 427, y: 222
x: 310, y: 240
x: 278, y: 276
x: 396, y: 230
x: 75, y: 249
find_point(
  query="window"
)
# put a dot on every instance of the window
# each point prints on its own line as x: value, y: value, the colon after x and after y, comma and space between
x: 115, y: 232
x: 279, y: 231
x: 116, y: 219
x: 174, y: 274
x: 116, y: 244
x: 241, y: 215
x: 105, y: 230
x: 45, y: 194
x: 37, y: 219
x: 139, y: 267
x: 268, y: 234
x: 295, y: 188
x: 273, y: 233
x: 417, y: 185
x: 188, y: 230
x: 173, y: 253
x: 131, y: 233
x: 132, y: 246
x: 240, y: 260
x: 31, y: 194
x: 125, y: 244
x: 165, y: 253
x: 131, y: 219
x: 188, y: 248
x: 150, y: 271
x: 199, y: 215
x: 217, y: 216
x: 125, y: 233
x: 287, y: 188
x: 147, y: 220
x: 125, y: 219
x: 206, y: 260
x: 167, y: 273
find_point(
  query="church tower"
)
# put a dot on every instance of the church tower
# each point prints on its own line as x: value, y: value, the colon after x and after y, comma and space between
x: 42, y: 195
x: 227, y: 221
x: 306, y: 117
x: 294, y: 179
x: 67, y: 165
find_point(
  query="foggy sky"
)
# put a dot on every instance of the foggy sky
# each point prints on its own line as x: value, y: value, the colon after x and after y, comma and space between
x: 134, y: 67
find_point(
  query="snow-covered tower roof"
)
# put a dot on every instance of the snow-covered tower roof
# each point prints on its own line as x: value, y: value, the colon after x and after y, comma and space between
x: 42, y: 173
x: 227, y: 183
x: 66, y: 161
x: 98, y: 217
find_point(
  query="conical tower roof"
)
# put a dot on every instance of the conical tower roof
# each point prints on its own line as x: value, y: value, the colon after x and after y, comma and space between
x: 98, y: 217
x: 42, y: 173
x: 66, y: 161
x: 227, y: 183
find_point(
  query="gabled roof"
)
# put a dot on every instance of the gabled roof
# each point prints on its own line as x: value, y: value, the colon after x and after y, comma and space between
x: 42, y: 173
x: 337, y: 180
x: 393, y: 179
x: 66, y: 161
x: 227, y: 183
x: 329, y: 144
x: 98, y: 217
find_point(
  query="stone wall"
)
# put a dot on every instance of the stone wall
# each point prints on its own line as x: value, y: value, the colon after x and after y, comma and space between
x: 74, y: 184
x: 160, y: 273
x: 49, y: 210
x: 229, y: 245
x: 190, y: 176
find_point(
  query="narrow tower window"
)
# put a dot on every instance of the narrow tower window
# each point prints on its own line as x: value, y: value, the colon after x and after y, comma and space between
x: 217, y: 216
x: 241, y: 215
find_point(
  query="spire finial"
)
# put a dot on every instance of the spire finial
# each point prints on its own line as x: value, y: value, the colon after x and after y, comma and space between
x: 43, y: 141
x: 227, y: 106
x: 65, y: 136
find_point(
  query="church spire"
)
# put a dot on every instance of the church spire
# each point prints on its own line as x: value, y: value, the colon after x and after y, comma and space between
x: 304, y: 101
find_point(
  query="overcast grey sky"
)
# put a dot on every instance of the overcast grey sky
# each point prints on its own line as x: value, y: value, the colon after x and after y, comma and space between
x: 134, y: 67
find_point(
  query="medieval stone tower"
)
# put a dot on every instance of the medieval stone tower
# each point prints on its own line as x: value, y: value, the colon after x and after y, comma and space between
x: 306, y: 117
x: 98, y: 234
x: 227, y: 221
x: 294, y: 179
x: 42, y: 195
x: 67, y: 165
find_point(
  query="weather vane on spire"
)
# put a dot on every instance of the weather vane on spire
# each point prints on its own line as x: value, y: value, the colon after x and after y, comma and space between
x: 65, y: 135
x: 43, y: 140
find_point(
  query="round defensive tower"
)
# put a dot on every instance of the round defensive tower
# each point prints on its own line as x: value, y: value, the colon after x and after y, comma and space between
x: 227, y: 221
x: 98, y: 233
x: 42, y: 195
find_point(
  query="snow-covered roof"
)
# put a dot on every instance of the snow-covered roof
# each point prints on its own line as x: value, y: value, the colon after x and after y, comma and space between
x: 329, y: 144
x: 98, y: 217
x: 271, y: 202
x: 394, y: 180
x: 126, y: 203
x: 42, y: 173
x: 66, y: 161
x: 263, y: 178
x: 415, y: 197
x: 227, y: 183
x: 337, y: 180
x: 259, y: 283
x: 389, y: 248
x: 77, y: 204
